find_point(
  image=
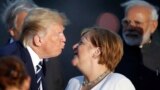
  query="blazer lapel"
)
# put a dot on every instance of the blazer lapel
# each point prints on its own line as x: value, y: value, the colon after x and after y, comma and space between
x: 29, y: 66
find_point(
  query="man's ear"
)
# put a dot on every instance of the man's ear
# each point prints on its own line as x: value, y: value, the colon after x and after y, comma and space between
x: 154, y: 26
x: 11, y: 32
x: 37, y: 40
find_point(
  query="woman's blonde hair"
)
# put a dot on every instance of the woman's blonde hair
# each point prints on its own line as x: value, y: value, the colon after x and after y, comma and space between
x: 110, y: 44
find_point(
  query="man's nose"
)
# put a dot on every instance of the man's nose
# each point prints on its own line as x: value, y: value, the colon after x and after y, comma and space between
x: 127, y: 24
x: 63, y: 38
x: 132, y: 24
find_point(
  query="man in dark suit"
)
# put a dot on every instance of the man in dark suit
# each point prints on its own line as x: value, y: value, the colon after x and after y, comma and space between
x: 42, y: 37
x: 139, y: 23
x: 13, y: 17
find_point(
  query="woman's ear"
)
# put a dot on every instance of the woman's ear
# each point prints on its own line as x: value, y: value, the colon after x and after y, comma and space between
x: 37, y: 40
x: 97, y: 52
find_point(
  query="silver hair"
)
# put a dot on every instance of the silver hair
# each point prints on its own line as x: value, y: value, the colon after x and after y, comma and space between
x: 12, y: 8
x: 131, y: 3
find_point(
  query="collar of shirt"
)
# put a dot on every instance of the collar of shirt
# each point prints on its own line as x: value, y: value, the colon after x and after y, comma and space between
x: 11, y: 40
x: 35, y: 58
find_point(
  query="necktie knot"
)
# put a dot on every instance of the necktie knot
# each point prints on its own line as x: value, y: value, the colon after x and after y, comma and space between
x: 39, y: 67
x: 39, y: 73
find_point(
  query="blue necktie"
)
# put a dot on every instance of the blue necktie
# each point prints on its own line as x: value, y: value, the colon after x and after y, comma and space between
x: 39, y: 74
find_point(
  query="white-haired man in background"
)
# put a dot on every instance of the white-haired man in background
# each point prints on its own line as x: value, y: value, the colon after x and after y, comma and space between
x: 138, y: 25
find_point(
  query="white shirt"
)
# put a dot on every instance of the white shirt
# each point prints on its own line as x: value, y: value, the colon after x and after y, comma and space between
x: 35, y: 60
x: 113, y: 81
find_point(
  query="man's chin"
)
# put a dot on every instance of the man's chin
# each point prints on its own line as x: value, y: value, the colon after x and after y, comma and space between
x: 57, y: 54
x: 132, y: 41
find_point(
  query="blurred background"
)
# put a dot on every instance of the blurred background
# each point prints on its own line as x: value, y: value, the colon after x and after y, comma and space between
x: 82, y: 14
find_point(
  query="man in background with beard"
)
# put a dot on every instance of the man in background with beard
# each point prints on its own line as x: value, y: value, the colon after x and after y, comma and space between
x: 139, y: 24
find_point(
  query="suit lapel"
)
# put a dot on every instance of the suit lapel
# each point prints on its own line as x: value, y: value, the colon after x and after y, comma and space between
x: 29, y: 66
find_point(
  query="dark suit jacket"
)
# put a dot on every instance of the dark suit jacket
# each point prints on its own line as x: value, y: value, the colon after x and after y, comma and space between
x: 17, y: 49
x: 132, y: 67
x: 53, y: 78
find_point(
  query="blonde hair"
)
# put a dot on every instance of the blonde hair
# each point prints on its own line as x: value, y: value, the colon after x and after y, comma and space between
x: 37, y: 22
x: 110, y: 44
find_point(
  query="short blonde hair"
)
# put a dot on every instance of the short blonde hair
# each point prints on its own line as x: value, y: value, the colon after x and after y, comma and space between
x: 110, y: 44
x: 38, y: 20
